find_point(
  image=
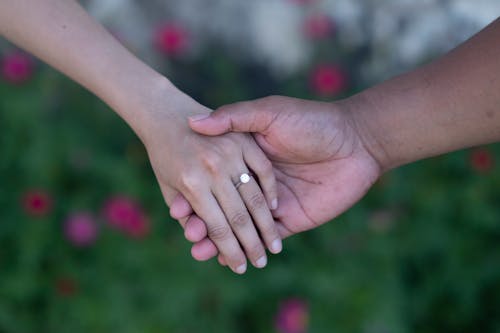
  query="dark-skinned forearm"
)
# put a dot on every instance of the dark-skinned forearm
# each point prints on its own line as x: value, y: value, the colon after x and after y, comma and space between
x: 449, y: 104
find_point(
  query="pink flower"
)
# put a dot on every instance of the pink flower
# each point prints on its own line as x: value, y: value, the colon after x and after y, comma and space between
x: 292, y: 316
x: 126, y: 215
x: 328, y: 80
x: 171, y: 39
x: 80, y: 229
x: 37, y: 203
x: 481, y: 160
x: 318, y: 26
x: 66, y: 287
x: 17, y: 67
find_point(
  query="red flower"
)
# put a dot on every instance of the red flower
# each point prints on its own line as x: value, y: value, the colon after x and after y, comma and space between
x: 66, y: 287
x: 328, y: 80
x: 80, y: 229
x: 171, y: 39
x: 481, y: 160
x: 17, y: 67
x: 318, y: 26
x: 126, y: 215
x: 37, y: 203
x: 292, y: 316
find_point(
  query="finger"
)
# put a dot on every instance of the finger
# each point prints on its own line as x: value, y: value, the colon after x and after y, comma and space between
x: 240, y: 221
x: 204, y: 250
x: 221, y: 260
x: 257, y: 161
x: 195, y: 229
x: 284, y: 231
x: 180, y: 207
x: 257, y: 206
x: 220, y: 232
x: 169, y: 195
x: 238, y: 117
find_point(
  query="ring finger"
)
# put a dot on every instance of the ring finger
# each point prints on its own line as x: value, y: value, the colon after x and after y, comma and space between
x: 256, y: 204
x: 241, y: 223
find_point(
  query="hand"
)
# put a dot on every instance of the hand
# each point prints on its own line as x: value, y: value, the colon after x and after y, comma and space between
x: 317, y: 152
x: 205, y: 170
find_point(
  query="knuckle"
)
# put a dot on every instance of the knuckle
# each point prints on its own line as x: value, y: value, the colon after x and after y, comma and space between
x: 229, y: 148
x: 213, y: 163
x: 239, y: 220
x: 190, y: 182
x: 257, y: 201
x: 219, y: 232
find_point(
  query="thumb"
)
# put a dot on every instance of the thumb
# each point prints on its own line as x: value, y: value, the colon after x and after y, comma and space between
x: 238, y: 117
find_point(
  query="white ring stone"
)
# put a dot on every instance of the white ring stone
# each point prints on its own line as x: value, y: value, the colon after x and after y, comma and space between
x: 244, y: 178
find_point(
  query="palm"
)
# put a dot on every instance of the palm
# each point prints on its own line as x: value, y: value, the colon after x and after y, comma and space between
x: 320, y: 163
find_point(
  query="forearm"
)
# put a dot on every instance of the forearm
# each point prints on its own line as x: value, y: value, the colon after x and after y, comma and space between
x: 62, y: 34
x: 447, y: 105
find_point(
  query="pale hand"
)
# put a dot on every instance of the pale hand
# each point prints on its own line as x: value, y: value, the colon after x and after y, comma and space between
x: 318, y: 156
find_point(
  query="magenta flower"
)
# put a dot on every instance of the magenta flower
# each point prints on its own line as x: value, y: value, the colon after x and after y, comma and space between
x: 328, y: 80
x: 37, y: 203
x: 17, y: 67
x: 318, y: 26
x: 171, y: 39
x: 481, y: 160
x: 81, y: 229
x: 292, y: 316
x: 66, y: 286
x: 127, y: 216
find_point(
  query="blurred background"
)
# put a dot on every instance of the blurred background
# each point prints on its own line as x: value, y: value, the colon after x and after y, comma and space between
x: 86, y: 242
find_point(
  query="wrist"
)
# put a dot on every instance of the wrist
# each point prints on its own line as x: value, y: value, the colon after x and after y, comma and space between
x: 395, y: 120
x: 157, y: 105
x: 360, y: 109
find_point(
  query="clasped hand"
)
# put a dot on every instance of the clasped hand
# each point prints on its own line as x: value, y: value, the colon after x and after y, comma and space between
x: 317, y: 153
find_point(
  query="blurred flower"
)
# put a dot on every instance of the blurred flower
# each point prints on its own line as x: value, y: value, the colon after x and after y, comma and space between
x: 328, y: 80
x: 37, y: 203
x: 318, y: 26
x: 66, y: 287
x: 382, y: 220
x: 292, y: 316
x: 171, y: 39
x: 481, y: 160
x: 17, y: 67
x: 126, y: 215
x: 80, y: 229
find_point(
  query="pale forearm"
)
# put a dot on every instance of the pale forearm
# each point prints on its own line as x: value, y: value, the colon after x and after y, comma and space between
x: 447, y: 105
x: 62, y: 34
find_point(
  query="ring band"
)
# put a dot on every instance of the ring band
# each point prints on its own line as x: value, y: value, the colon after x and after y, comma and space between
x: 244, y: 178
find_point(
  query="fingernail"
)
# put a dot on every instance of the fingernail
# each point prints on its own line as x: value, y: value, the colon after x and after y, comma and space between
x: 199, y: 117
x: 261, y: 262
x: 276, y: 246
x: 241, y: 269
x: 274, y: 204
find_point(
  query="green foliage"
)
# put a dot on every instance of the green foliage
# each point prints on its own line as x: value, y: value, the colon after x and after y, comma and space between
x: 419, y: 254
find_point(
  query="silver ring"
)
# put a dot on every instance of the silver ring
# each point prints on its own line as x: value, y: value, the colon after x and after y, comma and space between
x: 244, y: 178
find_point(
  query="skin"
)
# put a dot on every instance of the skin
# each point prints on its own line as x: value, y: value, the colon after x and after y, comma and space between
x: 449, y: 104
x: 204, y: 170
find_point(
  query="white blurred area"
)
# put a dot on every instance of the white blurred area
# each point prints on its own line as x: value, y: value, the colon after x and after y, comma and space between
x: 399, y: 34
